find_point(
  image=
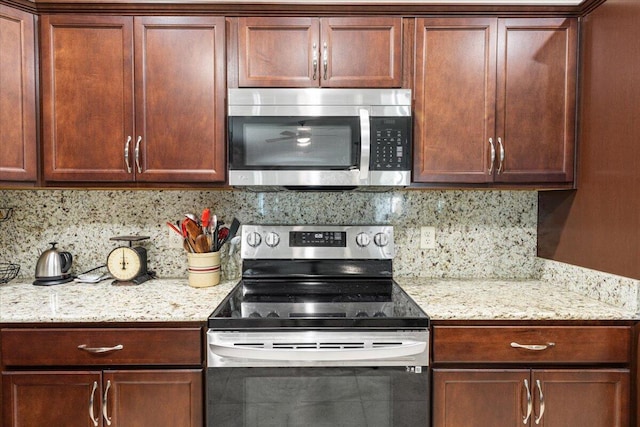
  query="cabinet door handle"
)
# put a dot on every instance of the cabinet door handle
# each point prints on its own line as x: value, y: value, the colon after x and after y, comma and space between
x: 325, y: 59
x: 493, y: 155
x: 315, y: 61
x: 93, y: 395
x: 500, y: 170
x: 525, y: 419
x: 533, y: 347
x: 541, y: 396
x: 98, y: 350
x: 137, y: 154
x: 105, y: 410
x: 126, y: 154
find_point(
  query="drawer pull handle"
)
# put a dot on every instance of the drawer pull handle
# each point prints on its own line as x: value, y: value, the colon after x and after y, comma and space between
x: 93, y: 395
x: 99, y: 350
x: 533, y: 347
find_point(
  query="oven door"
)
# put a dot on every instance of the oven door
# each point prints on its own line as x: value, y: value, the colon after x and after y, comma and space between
x: 318, y: 378
x: 318, y: 397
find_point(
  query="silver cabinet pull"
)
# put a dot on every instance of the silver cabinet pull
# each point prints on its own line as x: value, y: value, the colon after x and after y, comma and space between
x: 105, y: 411
x: 541, y: 396
x: 325, y: 59
x: 93, y: 395
x: 126, y: 154
x: 533, y: 347
x: 365, y: 146
x: 525, y: 419
x: 493, y: 155
x: 315, y: 61
x: 98, y: 350
x: 500, y: 169
x: 137, y: 154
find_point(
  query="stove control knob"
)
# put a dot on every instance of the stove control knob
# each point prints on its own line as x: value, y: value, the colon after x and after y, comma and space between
x: 272, y: 239
x: 255, y: 314
x: 362, y: 314
x: 381, y: 239
x: 254, y: 239
x: 379, y: 314
x: 273, y: 314
x: 363, y: 239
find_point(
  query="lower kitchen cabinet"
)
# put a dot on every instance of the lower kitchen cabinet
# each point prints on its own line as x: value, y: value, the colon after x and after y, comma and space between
x: 576, y: 375
x: 545, y: 397
x: 117, y: 376
x: 93, y: 398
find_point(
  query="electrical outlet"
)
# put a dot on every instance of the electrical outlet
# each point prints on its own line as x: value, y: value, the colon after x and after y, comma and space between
x: 174, y: 240
x: 427, y: 237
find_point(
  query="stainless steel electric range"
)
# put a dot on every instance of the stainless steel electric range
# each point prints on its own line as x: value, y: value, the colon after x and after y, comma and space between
x: 317, y: 333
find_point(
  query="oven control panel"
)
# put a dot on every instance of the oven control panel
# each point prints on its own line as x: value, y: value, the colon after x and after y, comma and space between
x: 317, y: 242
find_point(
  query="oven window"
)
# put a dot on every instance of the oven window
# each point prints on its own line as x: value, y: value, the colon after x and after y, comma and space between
x: 316, y: 397
x: 294, y: 142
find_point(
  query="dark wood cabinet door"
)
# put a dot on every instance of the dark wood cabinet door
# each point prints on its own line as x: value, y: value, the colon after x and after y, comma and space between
x: 361, y: 52
x: 18, y: 101
x: 179, y: 87
x: 585, y: 398
x: 536, y: 99
x: 51, y: 398
x: 479, y: 397
x: 454, y: 99
x: 278, y: 52
x: 166, y: 398
x: 87, y: 97
x: 313, y: 52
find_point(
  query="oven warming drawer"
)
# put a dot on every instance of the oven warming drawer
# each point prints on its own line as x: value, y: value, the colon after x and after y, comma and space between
x: 317, y: 348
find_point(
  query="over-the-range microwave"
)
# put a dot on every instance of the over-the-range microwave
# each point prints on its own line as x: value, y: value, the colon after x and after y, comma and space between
x: 319, y: 138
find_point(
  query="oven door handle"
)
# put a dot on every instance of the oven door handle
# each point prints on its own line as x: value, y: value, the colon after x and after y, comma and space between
x: 399, y: 350
x: 365, y: 145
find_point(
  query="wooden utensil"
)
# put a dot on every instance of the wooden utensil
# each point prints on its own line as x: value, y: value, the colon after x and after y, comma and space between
x: 202, y: 244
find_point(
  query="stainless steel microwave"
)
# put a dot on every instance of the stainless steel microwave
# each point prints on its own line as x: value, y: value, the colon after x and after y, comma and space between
x: 319, y: 138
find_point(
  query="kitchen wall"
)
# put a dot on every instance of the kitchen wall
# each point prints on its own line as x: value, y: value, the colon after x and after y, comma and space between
x: 479, y: 234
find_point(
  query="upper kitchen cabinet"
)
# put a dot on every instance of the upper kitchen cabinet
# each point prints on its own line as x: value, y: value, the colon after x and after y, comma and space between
x: 311, y: 52
x: 495, y: 100
x: 133, y: 99
x: 18, y: 158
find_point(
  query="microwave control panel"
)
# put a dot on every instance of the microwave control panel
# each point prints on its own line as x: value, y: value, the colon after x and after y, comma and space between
x: 390, y: 143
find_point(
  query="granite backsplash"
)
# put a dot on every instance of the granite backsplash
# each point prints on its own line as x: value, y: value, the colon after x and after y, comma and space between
x: 479, y: 234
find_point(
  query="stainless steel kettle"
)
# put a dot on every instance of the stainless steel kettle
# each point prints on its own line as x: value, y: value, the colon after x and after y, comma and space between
x: 53, y: 267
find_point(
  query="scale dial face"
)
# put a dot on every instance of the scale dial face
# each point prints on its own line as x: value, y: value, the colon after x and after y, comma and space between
x: 124, y: 263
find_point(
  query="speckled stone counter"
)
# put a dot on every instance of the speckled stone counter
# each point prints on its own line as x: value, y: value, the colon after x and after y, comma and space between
x: 174, y: 300
x: 506, y: 300
x: 163, y: 300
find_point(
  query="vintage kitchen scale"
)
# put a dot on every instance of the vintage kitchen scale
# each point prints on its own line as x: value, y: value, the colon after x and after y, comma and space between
x: 128, y: 263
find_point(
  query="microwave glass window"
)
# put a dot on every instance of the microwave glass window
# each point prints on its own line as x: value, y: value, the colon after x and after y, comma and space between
x: 268, y: 145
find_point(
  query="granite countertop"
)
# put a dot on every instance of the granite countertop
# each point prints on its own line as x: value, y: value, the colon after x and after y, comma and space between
x: 174, y: 300
x: 506, y: 300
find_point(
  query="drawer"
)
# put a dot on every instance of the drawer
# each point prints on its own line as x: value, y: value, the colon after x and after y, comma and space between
x: 101, y: 346
x: 552, y: 344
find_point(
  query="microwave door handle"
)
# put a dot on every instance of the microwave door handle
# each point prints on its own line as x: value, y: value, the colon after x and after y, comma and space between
x: 405, y: 349
x: 365, y: 145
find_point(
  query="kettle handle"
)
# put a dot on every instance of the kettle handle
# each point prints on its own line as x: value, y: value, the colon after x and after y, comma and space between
x: 68, y: 260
